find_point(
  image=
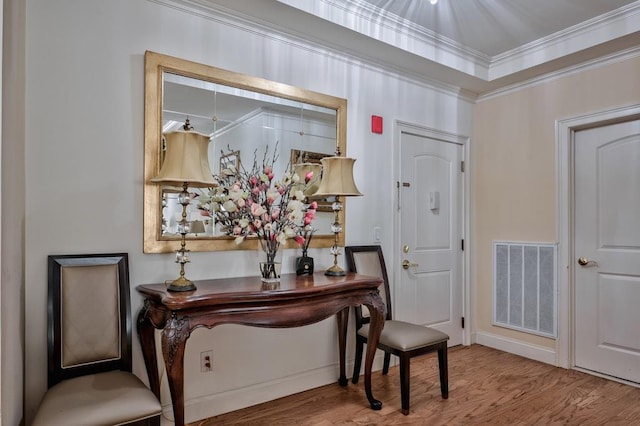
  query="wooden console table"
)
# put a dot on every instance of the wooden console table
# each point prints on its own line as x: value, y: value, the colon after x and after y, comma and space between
x: 296, y: 302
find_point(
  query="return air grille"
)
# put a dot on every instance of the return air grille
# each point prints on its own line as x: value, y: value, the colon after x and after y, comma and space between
x: 524, y: 287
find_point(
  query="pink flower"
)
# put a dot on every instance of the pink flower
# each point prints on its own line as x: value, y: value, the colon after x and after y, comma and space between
x: 268, y: 170
x: 206, y: 213
x: 253, y: 180
x: 308, y: 177
x: 299, y: 239
x: 307, y: 220
x: 313, y: 205
x: 257, y: 210
x: 257, y: 224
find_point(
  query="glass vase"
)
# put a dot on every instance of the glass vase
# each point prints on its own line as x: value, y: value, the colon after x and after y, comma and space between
x: 270, y: 266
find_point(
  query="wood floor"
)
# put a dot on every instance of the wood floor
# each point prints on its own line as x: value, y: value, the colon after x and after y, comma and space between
x: 486, y: 387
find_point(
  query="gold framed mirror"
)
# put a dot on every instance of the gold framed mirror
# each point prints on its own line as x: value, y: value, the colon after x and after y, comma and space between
x: 244, y: 117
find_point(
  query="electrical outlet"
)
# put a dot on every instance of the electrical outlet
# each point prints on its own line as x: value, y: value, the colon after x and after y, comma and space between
x: 206, y: 361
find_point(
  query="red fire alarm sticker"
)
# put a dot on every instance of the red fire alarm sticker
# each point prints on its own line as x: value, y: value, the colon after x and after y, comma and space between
x: 376, y: 124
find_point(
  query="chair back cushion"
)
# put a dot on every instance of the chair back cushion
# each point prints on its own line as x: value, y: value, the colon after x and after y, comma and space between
x: 89, y: 325
x: 90, y: 314
x: 369, y: 260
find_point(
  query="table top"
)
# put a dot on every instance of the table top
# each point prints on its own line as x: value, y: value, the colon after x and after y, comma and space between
x: 251, y: 289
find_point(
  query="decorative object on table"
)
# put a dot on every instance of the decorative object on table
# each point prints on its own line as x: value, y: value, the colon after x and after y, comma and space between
x: 186, y: 165
x: 304, y: 263
x: 252, y: 203
x: 337, y: 181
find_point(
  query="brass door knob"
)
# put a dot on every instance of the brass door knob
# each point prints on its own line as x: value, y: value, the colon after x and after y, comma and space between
x: 406, y: 264
x: 583, y: 261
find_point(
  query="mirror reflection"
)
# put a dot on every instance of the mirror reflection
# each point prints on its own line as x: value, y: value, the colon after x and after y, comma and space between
x: 243, y: 126
x: 245, y: 118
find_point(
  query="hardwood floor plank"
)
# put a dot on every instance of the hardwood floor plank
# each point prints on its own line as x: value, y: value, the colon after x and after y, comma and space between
x: 486, y: 387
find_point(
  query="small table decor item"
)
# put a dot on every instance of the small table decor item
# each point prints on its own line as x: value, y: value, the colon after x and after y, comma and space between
x: 304, y: 263
x: 252, y: 203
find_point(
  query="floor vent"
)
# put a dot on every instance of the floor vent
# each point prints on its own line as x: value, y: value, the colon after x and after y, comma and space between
x: 524, y: 287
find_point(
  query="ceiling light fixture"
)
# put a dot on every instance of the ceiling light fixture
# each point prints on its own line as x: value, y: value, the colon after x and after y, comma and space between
x: 433, y: 1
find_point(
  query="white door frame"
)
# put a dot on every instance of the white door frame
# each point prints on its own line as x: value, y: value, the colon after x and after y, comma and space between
x: 565, y: 134
x: 404, y: 127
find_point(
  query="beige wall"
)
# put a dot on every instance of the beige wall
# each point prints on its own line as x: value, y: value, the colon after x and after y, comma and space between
x: 514, y: 166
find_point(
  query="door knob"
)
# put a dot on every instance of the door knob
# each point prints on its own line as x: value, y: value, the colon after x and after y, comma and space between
x: 406, y: 264
x: 583, y: 261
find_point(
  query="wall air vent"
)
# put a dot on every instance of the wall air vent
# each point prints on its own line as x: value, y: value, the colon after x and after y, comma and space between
x: 524, y: 287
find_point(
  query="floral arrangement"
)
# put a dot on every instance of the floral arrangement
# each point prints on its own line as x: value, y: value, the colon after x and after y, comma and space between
x: 253, y: 203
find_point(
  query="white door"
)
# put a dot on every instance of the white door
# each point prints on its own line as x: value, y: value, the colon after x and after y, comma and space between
x: 607, y: 250
x: 431, y: 214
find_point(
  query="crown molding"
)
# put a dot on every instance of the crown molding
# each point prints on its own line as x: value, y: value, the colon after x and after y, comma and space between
x: 590, y: 33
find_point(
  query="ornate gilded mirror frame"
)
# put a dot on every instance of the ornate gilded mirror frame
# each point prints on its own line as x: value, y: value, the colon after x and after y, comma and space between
x: 156, y: 65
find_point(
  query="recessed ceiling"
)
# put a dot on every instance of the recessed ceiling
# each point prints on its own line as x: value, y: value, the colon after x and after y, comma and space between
x: 494, y: 27
x: 477, y: 46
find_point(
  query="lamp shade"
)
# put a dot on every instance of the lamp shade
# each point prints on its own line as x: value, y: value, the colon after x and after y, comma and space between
x: 186, y: 160
x: 302, y: 169
x: 197, y: 227
x: 337, y: 178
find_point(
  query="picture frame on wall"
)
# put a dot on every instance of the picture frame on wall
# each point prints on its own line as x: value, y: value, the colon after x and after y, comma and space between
x: 230, y: 160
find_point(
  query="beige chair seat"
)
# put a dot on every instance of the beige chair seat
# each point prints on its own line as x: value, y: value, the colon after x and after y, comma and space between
x: 111, y: 398
x: 402, y: 339
x: 405, y: 336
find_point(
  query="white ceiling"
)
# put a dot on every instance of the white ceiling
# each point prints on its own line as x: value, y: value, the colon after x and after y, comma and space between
x: 476, y: 45
x: 494, y: 27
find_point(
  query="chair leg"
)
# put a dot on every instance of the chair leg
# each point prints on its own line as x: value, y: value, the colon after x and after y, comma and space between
x: 404, y: 383
x: 444, y: 371
x: 387, y: 361
x: 357, y: 362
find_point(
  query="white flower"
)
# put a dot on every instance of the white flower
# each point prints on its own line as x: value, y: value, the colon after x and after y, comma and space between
x: 282, y: 238
x: 230, y: 206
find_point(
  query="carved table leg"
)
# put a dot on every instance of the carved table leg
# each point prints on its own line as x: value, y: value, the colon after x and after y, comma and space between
x: 174, y: 339
x: 343, y: 321
x: 148, y: 344
x: 376, y: 310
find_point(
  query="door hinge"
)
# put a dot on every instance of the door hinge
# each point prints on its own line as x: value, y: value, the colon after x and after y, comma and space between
x: 462, y: 166
x: 462, y: 244
x: 462, y: 322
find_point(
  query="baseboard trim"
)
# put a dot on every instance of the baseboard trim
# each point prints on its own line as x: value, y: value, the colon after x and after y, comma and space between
x: 517, y: 347
x: 236, y: 399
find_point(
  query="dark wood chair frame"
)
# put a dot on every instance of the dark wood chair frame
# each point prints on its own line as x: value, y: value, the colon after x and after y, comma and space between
x: 404, y: 356
x: 56, y: 373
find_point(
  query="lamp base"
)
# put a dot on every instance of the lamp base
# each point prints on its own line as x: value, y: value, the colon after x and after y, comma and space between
x: 335, y: 271
x: 181, y: 284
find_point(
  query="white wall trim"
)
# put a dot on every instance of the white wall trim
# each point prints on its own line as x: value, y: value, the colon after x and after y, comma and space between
x: 565, y: 131
x: 236, y: 399
x: 517, y: 347
x: 620, y: 56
